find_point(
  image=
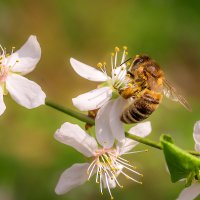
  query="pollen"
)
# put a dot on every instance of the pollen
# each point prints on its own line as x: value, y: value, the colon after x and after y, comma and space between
x: 125, y: 48
x: 99, y: 65
x: 128, y: 63
x: 112, y: 54
x: 117, y: 49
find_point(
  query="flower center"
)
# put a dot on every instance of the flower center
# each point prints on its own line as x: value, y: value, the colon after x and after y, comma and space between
x: 107, y: 165
x: 3, y: 73
x: 4, y: 68
x: 118, y: 79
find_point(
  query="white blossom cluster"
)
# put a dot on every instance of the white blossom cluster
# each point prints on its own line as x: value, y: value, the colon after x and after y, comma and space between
x: 110, y: 145
x: 105, y: 151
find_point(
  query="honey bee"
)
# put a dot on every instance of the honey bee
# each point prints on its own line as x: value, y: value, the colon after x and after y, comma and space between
x: 145, y: 90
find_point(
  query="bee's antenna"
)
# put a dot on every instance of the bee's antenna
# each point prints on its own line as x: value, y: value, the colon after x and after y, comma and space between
x: 125, y: 61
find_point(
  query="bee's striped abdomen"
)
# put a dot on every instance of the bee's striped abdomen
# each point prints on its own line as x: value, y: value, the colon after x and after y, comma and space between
x: 141, y: 108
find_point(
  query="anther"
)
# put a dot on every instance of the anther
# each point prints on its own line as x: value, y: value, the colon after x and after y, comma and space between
x: 112, y: 54
x: 117, y: 49
x: 99, y: 65
x: 126, y: 53
x: 125, y: 48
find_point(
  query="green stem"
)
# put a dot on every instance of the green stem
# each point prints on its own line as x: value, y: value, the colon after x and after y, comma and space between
x: 86, y: 119
x: 68, y: 111
x: 144, y: 141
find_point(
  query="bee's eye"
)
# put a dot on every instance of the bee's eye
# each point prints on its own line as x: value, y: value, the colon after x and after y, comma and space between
x: 137, y: 61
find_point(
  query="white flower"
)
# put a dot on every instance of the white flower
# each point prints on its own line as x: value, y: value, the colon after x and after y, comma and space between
x: 111, y: 84
x: 108, y: 124
x: 193, y: 191
x: 106, y: 163
x: 25, y: 92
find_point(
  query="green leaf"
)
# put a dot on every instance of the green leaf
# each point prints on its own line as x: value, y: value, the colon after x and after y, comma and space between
x: 180, y: 163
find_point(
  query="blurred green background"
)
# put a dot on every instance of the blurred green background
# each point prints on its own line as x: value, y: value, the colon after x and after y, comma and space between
x: 31, y: 161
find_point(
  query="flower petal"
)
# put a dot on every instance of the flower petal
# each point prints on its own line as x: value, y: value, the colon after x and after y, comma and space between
x: 103, y: 130
x: 196, y: 132
x: 2, y: 104
x: 88, y: 72
x: 190, y: 193
x: 74, y: 136
x: 92, y: 100
x: 141, y: 130
x: 72, y: 177
x: 25, y: 92
x: 197, y: 147
x: 120, y: 72
x: 115, y: 121
x: 25, y: 59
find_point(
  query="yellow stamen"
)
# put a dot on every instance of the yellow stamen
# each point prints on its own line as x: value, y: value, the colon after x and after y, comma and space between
x: 117, y: 49
x: 125, y: 48
x: 99, y: 65
x: 137, y: 56
x: 112, y: 54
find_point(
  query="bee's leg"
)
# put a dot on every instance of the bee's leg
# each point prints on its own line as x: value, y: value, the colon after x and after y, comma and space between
x: 129, y: 92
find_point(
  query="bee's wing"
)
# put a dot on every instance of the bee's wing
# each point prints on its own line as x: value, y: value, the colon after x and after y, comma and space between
x: 171, y: 93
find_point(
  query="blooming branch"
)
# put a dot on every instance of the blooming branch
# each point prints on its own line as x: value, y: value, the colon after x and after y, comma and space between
x: 86, y: 119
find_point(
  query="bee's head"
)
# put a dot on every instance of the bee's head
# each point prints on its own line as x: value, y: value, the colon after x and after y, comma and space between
x: 140, y: 59
x: 138, y: 62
